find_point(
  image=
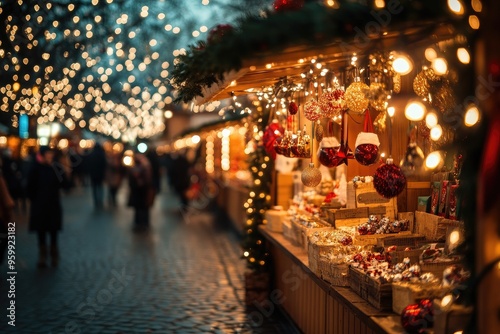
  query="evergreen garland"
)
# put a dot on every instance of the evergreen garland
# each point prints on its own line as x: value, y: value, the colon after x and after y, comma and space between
x: 259, y: 199
x: 315, y: 24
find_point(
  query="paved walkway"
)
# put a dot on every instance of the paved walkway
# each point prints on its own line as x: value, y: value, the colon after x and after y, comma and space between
x: 182, y: 276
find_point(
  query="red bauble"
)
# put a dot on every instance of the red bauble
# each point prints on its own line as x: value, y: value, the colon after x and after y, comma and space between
x: 366, y: 154
x: 283, y: 5
x: 218, y: 32
x: 389, y: 180
x: 273, y: 131
x: 335, y: 156
x: 312, y: 111
x: 293, y: 108
x: 413, y: 319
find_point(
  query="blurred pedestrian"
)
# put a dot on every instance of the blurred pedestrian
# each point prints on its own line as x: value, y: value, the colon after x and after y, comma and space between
x: 6, y: 206
x: 44, y: 183
x: 179, y: 177
x: 142, y: 192
x: 12, y: 175
x: 96, y: 162
x: 114, y: 177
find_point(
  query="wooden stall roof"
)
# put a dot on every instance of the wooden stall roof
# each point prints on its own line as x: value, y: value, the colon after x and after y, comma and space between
x: 266, y: 68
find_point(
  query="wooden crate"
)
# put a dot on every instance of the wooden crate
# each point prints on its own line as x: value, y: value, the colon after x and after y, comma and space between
x: 377, y: 294
x: 375, y: 239
x: 288, y: 233
x: 398, y: 255
x: 367, y: 196
x: 335, y: 274
x: 433, y: 227
x: 406, y: 293
x: 437, y: 268
x: 408, y: 240
x: 347, y: 217
x: 452, y: 320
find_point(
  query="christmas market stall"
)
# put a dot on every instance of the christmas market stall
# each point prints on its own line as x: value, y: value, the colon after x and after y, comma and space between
x: 358, y: 145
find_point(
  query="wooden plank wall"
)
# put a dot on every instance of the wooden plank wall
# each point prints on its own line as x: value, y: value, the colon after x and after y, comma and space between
x: 308, y: 304
x: 303, y: 299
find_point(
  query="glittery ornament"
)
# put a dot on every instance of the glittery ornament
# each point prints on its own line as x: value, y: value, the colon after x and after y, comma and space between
x: 377, y: 96
x: 396, y: 83
x: 293, y: 108
x: 443, y: 98
x: 311, y: 176
x: 355, y: 97
x: 413, y: 160
x: 284, y: 5
x: 413, y: 319
x: 217, y: 33
x: 312, y: 111
x: 319, y: 132
x: 367, y: 143
x: 272, y: 132
x: 381, y: 121
x: 332, y: 103
x: 304, y: 145
x: 389, y: 180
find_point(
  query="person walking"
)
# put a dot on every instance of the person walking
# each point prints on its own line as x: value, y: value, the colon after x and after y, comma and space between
x: 43, y: 188
x: 142, y: 191
x: 114, y: 177
x: 97, y: 162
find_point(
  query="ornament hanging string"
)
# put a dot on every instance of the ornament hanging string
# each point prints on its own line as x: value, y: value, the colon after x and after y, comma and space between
x: 389, y: 131
x: 368, y: 124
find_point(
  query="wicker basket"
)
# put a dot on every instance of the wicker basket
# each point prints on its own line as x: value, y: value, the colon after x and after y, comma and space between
x: 301, y: 231
x: 288, y: 232
x: 335, y: 274
x: 377, y: 294
x: 374, y: 239
x: 406, y: 293
x: 433, y: 227
x: 437, y: 268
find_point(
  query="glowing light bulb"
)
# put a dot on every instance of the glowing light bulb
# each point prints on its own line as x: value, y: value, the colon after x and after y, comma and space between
x: 463, y: 55
x: 456, y: 7
x: 415, y: 111
x: 440, y: 66
x: 436, y: 132
x: 402, y: 64
x: 430, y: 54
x: 391, y: 111
x: 434, y: 160
x: 431, y: 120
x: 471, y: 116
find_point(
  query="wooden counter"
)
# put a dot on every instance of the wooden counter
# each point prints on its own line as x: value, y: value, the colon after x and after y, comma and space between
x: 313, y: 304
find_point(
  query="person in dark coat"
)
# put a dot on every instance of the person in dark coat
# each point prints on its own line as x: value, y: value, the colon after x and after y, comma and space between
x: 142, y: 191
x: 45, y: 181
x: 179, y: 177
x: 97, y: 162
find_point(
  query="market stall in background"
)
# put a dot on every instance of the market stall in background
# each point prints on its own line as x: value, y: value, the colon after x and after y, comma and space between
x: 353, y: 154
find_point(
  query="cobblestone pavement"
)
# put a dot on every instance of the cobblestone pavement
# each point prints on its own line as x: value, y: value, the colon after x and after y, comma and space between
x: 181, y: 276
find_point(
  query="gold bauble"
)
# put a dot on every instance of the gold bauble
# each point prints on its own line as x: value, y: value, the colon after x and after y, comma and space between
x: 396, y: 83
x: 311, y: 176
x: 312, y: 111
x: 443, y: 98
x: 319, y: 132
x: 377, y: 96
x: 355, y: 97
x: 380, y: 121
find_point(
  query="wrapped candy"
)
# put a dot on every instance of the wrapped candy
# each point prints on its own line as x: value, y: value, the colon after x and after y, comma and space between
x: 454, y: 274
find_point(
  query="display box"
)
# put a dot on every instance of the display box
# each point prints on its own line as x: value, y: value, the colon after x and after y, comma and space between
x: 433, y: 227
x: 367, y: 196
x: 406, y: 293
x: 373, y: 291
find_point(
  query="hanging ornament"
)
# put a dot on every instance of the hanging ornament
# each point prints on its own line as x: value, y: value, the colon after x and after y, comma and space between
x: 417, y: 318
x: 217, y: 33
x: 272, y: 132
x: 423, y: 130
x: 284, y: 5
x: 331, y: 153
x: 413, y: 160
x: 332, y: 102
x: 381, y: 121
x: 311, y: 176
x: 377, y: 96
x: 319, y: 132
x: 293, y: 108
x: 443, y: 98
x: 396, y: 83
x: 304, y: 145
x: 282, y: 144
x: 367, y: 143
x: 389, y: 180
x: 312, y: 110
x: 355, y: 98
